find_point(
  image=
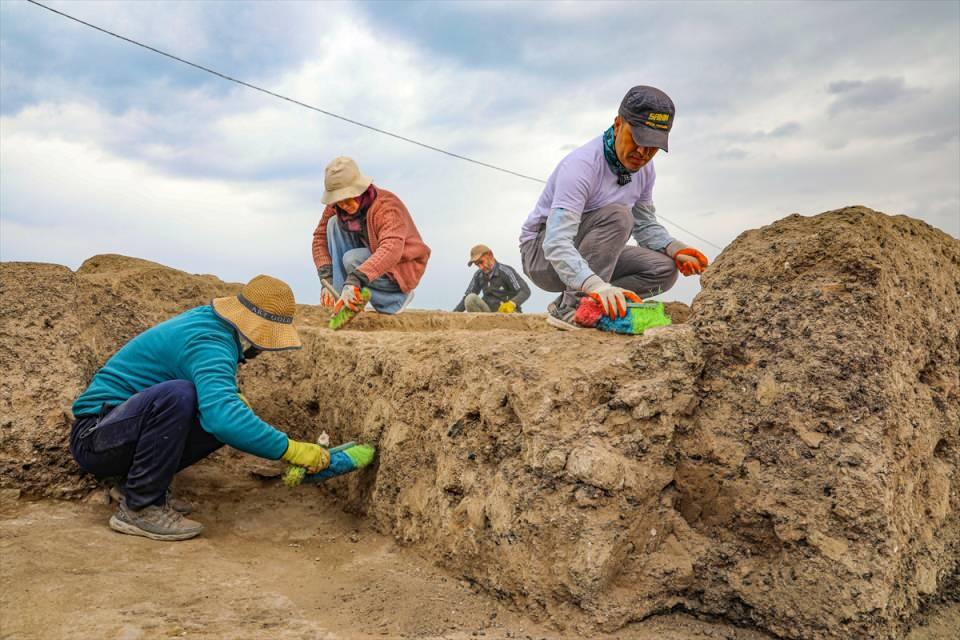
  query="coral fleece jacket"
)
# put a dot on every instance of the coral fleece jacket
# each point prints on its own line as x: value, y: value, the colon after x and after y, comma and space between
x: 197, y: 346
x: 396, y: 248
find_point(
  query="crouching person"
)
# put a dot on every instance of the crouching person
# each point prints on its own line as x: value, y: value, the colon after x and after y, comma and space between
x: 574, y: 242
x: 502, y: 288
x: 366, y: 238
x: 169, y: 398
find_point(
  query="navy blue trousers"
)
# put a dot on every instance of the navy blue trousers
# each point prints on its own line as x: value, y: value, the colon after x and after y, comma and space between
x: 146, y: 440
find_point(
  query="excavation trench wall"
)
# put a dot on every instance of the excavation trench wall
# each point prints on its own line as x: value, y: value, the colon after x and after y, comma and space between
x: 787, y: 459
x: 539, y: 469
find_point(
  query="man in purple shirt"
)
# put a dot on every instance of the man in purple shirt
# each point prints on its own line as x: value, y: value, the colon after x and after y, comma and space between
x: 575, y: 239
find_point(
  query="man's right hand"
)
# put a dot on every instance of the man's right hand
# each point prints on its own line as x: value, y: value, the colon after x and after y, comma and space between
x: 303, y: 454
x: 612, y: 299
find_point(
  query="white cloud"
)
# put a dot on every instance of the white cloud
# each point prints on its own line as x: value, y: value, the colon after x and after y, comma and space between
x: 217, y: 178
x: 55, y: 189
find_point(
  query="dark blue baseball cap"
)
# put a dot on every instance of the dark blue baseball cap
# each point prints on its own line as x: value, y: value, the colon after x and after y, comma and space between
x: 649, y: 112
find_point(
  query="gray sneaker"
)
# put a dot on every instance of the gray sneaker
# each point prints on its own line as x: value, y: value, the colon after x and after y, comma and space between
x: 156, y: 523
x: 561, y: 317
x: 178, y: 504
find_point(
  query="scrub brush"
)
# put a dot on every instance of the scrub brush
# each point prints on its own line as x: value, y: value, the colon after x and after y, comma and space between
x: 346, y: 314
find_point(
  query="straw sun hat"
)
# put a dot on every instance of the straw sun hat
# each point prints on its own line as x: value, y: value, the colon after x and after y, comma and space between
x: 262, y: 313
x: 343, y: 180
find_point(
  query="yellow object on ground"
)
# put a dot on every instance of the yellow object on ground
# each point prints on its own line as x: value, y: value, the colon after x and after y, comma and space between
x: 507, y: 307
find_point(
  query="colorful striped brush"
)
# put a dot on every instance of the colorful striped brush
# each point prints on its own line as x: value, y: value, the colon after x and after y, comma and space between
x: 640, y: 317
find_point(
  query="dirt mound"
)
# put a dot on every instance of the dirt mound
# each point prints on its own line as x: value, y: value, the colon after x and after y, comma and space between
x: 824, y: 461
x: 788, y: 459
x: 56, y: 328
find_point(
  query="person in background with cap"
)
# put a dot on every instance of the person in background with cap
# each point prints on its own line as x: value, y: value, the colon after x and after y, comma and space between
x: 503, y: 289
x: 574, y: 240
x: 366, y: 238
x: 169, y: 398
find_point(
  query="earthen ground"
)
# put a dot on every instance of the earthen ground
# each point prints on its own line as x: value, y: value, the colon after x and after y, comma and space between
x: 260, y: 573
x: 273, y: 563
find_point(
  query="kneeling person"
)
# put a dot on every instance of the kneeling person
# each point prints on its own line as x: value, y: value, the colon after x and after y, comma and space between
x: 169, y: 398
x: 366, y: 238
x: 503, y: 289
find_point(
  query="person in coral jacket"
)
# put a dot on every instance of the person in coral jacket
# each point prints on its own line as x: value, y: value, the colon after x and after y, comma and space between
x: 366, y: 238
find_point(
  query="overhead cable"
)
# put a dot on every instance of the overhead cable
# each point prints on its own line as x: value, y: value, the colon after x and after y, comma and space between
x: 325, y: 112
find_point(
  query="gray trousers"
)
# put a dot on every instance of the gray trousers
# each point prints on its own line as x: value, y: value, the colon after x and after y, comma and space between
x: 602, y: 241
x: 475, y: 304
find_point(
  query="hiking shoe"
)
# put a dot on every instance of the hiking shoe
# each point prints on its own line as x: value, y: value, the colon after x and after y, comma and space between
x: 156, y: 523
x: 178, y: 504
x: 561, y: 317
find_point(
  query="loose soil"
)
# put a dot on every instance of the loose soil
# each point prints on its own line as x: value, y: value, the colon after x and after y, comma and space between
x: 273, y: 563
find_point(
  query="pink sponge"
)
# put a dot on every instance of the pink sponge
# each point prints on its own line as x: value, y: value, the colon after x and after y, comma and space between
x: 588, y: 313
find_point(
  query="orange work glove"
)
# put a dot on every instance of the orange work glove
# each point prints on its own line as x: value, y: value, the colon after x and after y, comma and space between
x: 325, y: 272
x: 690, y: 261
x: 327, y: 299
x: 349, y: 297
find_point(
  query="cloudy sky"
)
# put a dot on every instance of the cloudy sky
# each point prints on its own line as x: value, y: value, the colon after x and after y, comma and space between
x: 781, y: 108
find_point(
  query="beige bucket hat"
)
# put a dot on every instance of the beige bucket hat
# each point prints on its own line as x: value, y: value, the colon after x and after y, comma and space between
x: 343, y: 180
x: 262, y: 313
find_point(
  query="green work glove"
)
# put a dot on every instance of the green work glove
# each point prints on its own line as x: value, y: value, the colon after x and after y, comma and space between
x: 304, y: 454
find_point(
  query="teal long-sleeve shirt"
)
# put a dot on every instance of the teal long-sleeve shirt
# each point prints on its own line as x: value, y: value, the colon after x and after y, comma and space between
x: 198, y: 346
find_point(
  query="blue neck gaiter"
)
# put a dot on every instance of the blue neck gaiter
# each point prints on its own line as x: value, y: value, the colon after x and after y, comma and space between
x: 610, y: 154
